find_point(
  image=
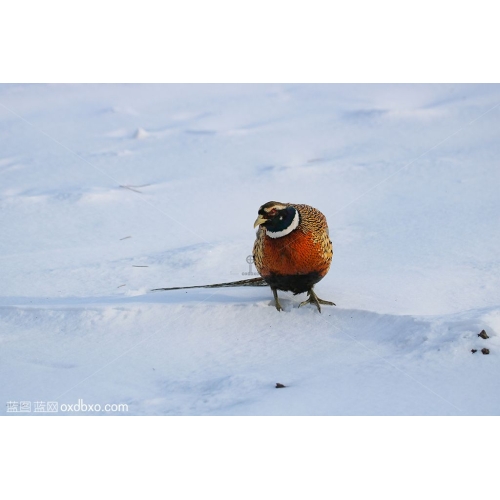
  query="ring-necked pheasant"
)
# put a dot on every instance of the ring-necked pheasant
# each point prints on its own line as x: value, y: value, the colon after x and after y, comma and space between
x: 293, y: 250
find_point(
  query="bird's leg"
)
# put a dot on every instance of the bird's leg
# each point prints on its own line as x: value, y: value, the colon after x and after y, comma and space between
x: 276, y: 301
x: 314, y: 299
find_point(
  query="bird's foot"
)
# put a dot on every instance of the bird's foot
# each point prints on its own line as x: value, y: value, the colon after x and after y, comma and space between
x: 276, y: 301
x: 314, y: 299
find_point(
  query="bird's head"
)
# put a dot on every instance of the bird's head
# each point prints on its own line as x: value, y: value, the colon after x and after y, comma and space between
x: 279, y: 219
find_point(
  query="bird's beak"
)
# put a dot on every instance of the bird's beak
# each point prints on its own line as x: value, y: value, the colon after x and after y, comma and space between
x: 260, y: 220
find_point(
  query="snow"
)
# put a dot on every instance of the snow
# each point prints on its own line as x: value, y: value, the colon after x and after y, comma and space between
x: 108, y: 191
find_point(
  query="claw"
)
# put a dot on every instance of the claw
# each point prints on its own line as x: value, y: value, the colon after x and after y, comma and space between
x: 314, y: 299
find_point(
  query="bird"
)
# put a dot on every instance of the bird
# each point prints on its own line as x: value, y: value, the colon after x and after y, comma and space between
x: 292, y: 250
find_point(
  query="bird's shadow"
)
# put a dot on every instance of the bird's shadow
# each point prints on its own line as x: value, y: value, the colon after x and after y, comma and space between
x: 170, y: 297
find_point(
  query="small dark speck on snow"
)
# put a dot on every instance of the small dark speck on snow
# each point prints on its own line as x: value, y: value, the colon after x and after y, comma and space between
x: 483, y: 335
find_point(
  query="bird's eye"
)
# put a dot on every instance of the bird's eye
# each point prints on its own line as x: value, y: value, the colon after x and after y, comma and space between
x: 281, y: 217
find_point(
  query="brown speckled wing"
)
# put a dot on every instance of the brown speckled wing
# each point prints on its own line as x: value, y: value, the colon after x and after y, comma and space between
x: 314, y: 222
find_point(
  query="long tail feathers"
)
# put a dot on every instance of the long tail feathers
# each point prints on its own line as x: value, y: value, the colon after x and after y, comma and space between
x: 250, y: 282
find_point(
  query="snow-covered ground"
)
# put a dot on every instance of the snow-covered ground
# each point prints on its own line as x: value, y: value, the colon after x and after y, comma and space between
x: 108, y: 191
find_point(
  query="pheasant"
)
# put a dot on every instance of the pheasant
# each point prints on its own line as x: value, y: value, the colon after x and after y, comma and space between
x: 292, y: 251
